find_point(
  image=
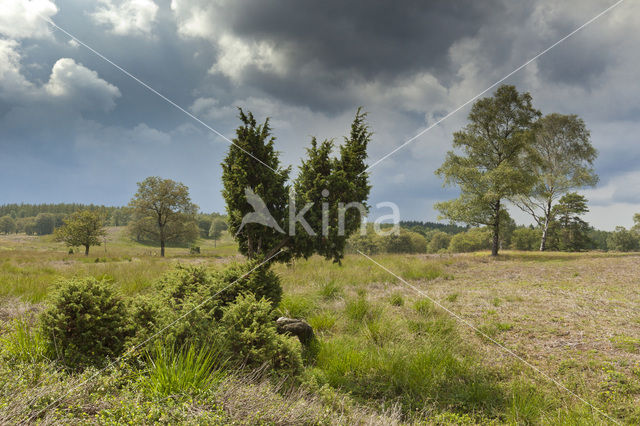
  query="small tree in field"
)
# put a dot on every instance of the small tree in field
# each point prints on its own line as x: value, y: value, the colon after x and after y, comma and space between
x: 215, y: 232
x: 491, y: 167
x: 310, y: 215
x: 163, y: 210
x: 83, y: 228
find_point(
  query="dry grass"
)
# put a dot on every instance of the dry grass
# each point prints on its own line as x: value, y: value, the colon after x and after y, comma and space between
x: 574, y: 316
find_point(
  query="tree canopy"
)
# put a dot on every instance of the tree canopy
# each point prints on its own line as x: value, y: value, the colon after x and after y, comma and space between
x: 82, y: 228
x: 491, y: 166
x: 316, y: 213
x: 561, y: 159
x: 163, y: 211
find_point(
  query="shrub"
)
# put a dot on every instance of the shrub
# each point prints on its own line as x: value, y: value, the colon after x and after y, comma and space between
x: 262, y: 282
x: 405, y: 242
x: 86, y: 323
x: 192, y: 299
x: 472, y: 240
x: 622, y: 240
x: 249, y: 330
x: 439, y: 241
x: 525, y: 239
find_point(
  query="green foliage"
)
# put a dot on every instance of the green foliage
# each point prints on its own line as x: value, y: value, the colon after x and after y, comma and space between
x: 405, y: 242
x: 252, y: 167
x: 252, y: 162
x: 525, y: 239
x: 83, y: 228
x: 187, y: 287
x: 86, y: 323
x: 425, y: 228
x: 117, y: 216
x: 439, y: 242
x: 491, y: 166
x: 249, y: 330
x: 474, y: 239
x: 623, y: 240
x: 186, y: 371
x: 568, y: 232
x: 163, y: 212
x: 561, y: 158
x: 7, y: 225
x: 44, y: 224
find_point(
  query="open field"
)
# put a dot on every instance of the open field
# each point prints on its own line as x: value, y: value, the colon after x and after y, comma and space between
x: 385, y: 354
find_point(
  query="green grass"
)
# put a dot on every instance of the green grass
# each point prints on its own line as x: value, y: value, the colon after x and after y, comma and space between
x: 182, y: 372
x: 24, y: 343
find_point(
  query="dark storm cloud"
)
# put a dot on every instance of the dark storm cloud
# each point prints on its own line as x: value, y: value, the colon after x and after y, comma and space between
x: 331, y: 45
x: 307, y: 65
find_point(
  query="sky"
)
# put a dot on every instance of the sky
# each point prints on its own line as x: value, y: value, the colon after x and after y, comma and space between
x: 76, y: 128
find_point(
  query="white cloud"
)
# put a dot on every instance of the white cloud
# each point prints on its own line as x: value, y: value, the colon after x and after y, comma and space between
x: 80, y: 86
x: 26, y: 19
x: 200, y: 19
x: 236, y: 55
x: 126, y: 17
x: 13, y: 85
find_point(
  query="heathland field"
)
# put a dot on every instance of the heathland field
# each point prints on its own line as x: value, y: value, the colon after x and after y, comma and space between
x: 549, y: 338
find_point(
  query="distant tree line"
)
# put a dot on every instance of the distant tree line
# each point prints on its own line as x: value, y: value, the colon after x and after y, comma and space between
x: 424, y: 227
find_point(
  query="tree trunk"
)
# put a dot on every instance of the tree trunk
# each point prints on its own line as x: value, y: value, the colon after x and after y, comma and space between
x: 545, y: 229
x: 496, y: 230
x: 86, y: 250
x: 162, y: 247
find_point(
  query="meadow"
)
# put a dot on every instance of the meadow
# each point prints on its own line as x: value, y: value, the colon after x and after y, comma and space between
x: 385, y: 353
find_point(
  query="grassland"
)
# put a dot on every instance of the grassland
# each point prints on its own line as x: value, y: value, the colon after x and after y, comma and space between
x: 385, y: 353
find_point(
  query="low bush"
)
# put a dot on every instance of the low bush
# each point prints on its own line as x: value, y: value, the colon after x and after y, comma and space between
x: 86, y: 323
x: 525, y: 239
x: 439, y: 242
x: 249, y: 330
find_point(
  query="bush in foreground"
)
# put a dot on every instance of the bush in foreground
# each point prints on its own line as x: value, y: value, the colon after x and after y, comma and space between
x: 86, y: 323
x: 250, y: 332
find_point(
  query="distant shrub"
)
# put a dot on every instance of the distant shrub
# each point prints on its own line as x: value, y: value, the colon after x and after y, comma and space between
x: 622, y: 240
x: 405, y: 242
x: 473, y: 240
x: 250, y: 334
x: 86, y: 323
x: 439, y: 241
x: 368, y: 244
x: 525, y: 239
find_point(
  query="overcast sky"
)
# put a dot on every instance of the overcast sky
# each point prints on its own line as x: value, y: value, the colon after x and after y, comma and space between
x: 73, y: 128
